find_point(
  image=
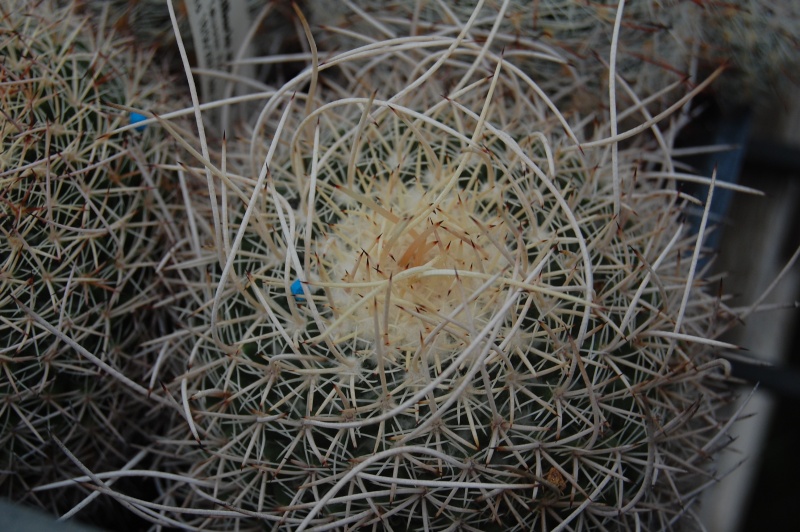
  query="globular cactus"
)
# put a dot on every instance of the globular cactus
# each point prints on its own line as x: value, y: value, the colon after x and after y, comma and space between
x: 761, y: 43
x: 661, y: 44
x: 79, y: 231
x: 443, y: 303
x: 653, y: 51
x: 149, y: 22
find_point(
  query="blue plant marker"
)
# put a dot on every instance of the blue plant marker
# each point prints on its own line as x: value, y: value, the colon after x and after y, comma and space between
x: 297, y: 290
x: 136, y: 118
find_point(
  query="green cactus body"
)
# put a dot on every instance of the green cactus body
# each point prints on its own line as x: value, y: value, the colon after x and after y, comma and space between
x: 477, y: 342
x: 79, y: 232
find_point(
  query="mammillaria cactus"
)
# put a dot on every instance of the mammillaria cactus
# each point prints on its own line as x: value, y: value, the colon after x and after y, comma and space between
x: 655, y: 44
x: 660, y: 43
x: 760, y: 41
x: 79, y: 226
x: 443, y: 303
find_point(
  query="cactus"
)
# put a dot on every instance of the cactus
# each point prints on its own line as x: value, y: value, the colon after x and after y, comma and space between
x: 654, y: 50
x: 761, y: 41
x: 443, y: 303
x: 659, y: 41
x: 148, y: 21
x: 80, y: 231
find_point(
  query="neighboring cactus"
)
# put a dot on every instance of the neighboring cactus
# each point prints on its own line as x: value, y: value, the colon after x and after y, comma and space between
x: 761, y: 42
x: 654, y: 46
x: 442, y: 304
x: 148, y: 21
x: 79, y: 228
x: 659, y: 41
